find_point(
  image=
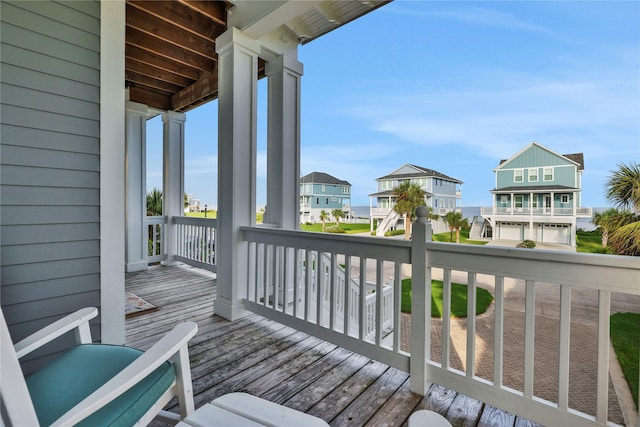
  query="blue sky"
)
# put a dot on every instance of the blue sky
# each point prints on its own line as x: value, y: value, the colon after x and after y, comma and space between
x: 452, y: 86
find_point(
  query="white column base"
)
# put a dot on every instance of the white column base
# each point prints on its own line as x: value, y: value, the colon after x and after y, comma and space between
x: 136, y: 266
x: 224, y: 308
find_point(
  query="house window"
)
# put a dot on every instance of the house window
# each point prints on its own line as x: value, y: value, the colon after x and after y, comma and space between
x: 518, y: 200
x: 518, y: 175
x: 533, y: 175
x: 323, y: 188
x: 504, y: 199
x: 564, y: 198
x: 534, y: 201
x: 327, y: 201
x: 548, y: 174
x: 317, y: 200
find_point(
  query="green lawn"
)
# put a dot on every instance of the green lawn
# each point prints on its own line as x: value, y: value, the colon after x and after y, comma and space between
x: 590, y: 242
x: 464, y: 238
x: 210, y: 214
x: 625, y: 336
x: 458, y: 299
x: 349, y: 228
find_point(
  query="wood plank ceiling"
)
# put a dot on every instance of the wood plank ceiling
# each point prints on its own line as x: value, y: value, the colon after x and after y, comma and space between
x: 170, y: 55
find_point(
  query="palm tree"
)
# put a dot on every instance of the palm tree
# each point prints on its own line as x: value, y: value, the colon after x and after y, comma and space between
x: 408, y: 197
x: 337, y: 214
x: 606, y: 221
x: 455, y: 222
x: 154, y: 202
x: 623, y: 189
x: 324, y: 216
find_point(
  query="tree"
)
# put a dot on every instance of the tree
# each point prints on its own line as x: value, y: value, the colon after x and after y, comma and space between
x: 186, y: 200
x: 623, y: 190
x: 324, y: 216
x: 154, y: 202
x: 337, y: 214
x: 408, y: 197
x: 607, y: 222
x: 455, y: 222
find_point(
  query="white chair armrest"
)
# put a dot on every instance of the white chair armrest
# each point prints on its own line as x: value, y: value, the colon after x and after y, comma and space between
x: 159, y: 353
x: 79, y: 319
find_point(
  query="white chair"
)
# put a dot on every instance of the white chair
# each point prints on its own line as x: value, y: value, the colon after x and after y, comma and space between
x: 95, y: 384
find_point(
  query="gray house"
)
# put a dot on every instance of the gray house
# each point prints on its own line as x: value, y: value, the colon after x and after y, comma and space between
x: 319, y: 192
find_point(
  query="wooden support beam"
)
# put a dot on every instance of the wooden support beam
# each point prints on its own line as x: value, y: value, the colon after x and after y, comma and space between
x: 150, y: 98
x: 161, y: 62
x: 205, y: 88
x: 214, y: 10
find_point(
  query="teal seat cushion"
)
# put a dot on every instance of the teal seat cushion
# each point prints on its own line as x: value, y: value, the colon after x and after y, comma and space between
x: 68, y: 379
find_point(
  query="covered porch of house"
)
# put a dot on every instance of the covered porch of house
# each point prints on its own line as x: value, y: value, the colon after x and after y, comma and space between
x: 309, y: 299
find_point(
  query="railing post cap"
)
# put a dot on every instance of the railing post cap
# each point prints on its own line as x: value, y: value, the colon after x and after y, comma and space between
x: 421, y: 214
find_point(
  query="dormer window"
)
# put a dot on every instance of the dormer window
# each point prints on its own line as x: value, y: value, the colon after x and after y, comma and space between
x: 518, y: 175
x: 548, y: 174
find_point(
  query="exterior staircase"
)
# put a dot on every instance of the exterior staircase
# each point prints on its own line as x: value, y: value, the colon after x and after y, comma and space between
x: 386, y: 224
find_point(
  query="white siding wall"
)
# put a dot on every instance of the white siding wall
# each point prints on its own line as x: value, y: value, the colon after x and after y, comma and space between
x: 50, y: 173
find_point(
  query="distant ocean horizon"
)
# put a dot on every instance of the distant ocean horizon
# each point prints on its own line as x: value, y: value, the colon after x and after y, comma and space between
x: 470, y: 211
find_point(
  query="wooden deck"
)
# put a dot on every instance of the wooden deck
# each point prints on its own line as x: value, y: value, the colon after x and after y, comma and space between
x: 278, y: 363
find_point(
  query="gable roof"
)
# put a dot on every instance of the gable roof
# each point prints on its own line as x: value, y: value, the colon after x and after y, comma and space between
x: 576, y: 158
x: 419, y: 171
x: 322, y: 178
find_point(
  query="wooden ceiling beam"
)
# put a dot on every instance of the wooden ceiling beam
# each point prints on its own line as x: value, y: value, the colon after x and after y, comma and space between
x: 142, y: 21
x: 151, y: 82
x: 205, y: 88
x: 150, y: 98
x: 161, y: 62
x: 182, y: 16
x: 138, y: 67
x: 168, y: 50
x: 214, y: 10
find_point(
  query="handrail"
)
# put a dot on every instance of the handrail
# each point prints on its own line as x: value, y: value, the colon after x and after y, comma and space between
x: 196, y: 241
x: 281, y: 287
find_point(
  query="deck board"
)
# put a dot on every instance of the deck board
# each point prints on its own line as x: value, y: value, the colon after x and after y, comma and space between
x: 280, y: 364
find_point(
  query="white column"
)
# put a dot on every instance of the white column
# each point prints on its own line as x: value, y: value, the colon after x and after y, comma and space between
x: 112, y: 166
x: 237, y: 111
x: 172, y: 179
x: 135, y: 234
x: 283, y: 142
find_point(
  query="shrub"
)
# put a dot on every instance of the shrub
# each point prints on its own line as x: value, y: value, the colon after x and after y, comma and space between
x: 394, y: 232
x: 529, y: 244
x: 335, y: 230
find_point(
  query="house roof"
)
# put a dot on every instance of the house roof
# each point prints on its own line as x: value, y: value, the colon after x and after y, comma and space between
x: 170, y: 53
x: 392, y: 194
x: 577, y: 158
x: 534, y: 189
x: 322, y: 178
x: 419, y: 172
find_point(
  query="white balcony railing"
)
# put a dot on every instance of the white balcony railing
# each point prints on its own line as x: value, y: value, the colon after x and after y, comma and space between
x: 539, y: 211
x: 299, y: 279
x: 155, y: 226
x: 196, y: 241
x: 380, y: 211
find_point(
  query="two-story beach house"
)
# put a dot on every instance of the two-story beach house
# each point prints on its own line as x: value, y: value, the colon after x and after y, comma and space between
x: 442, y: 194
x: 537, y: 197
x: 319, y: 192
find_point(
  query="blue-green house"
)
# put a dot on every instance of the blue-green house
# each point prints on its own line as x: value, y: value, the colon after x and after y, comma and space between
x: 320, y: 191
x: 537, y: 196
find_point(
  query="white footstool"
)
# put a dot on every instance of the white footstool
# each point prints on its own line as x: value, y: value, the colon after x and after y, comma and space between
x: 426, y: 418
x: 242, y: 409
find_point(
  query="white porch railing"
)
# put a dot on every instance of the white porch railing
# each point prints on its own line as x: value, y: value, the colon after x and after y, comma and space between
x: 196, y: 241
x: 155, y: 226
x: 271, y: 274
x: 539, y: 211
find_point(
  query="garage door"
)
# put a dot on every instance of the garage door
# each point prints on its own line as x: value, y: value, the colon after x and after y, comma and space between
x: 555, y: 233
x: 510, y: 231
